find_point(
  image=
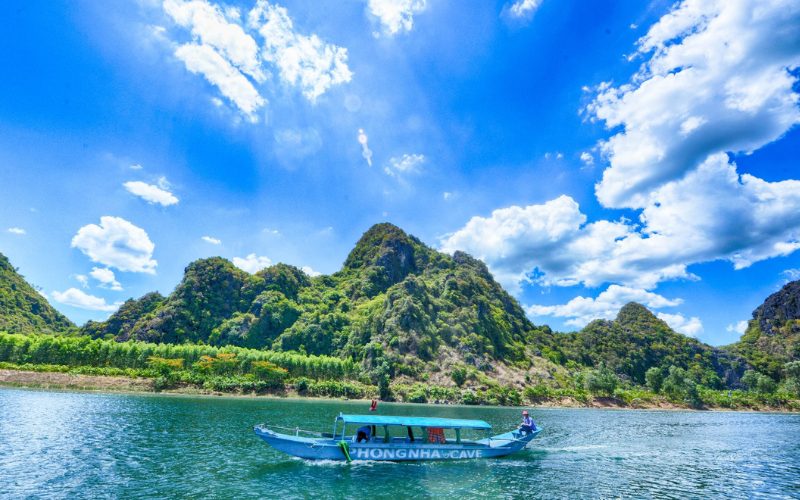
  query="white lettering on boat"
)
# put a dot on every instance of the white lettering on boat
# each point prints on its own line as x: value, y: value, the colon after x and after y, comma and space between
x: 411, y: 454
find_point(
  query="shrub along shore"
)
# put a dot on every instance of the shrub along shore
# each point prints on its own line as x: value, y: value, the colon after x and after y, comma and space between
x: 233, y: 370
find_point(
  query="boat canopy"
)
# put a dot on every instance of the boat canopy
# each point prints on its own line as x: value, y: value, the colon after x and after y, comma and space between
x: 444, y: 423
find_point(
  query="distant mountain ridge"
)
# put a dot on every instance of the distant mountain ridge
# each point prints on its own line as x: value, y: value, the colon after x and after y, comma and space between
x: 403, y: 309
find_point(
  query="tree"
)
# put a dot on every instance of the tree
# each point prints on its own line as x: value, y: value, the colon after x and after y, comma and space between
x: 601, y: 381
x: 459, y: 375
x: 758, y: 382
x: 654, y: 378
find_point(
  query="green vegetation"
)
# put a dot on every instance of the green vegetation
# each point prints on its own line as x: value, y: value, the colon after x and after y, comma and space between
x: 23, y: 309
x: 404, y: 322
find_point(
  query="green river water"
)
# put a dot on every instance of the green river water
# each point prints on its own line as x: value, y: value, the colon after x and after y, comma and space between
x: 81, y: 445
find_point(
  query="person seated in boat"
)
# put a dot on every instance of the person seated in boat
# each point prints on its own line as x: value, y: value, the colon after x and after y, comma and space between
x: 363, y: 433
x: 528, y: 425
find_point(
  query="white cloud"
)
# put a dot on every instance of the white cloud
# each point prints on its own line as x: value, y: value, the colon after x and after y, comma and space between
x: 151, y: 193
x: 582, y: 310
x: 587, y: 158
x: 252, y: 263
x: 404, y: 165
x: 697, y: 219
x: 716, y: 79
x: 681, y: 324
x: 211, y: 239
x: 117, y: 243
x: 364, y: 141
x: 792, y: 274
x: 554, y: 240
x: 395, y: 16
x: 204, y: 60
x: 309, y: 271
x: 76, y: 298
x: 82, y: 279
x: 136, y: 166
x: 302, y: 60
x: 17, y: 230
x: 106, y: 278
x: 447, y: 195
x: 209, y: 26
x: 523, y: 9
x: 739, y: 327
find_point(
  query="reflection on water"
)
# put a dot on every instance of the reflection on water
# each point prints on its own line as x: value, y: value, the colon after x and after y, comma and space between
x: 59, y: 444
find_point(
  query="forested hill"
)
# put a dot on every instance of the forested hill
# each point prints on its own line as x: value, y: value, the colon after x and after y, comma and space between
x: 637, y: 341
x: 401, y: 311
x: 772, y: 339
x: 396, y: 304
x: 23, y: 309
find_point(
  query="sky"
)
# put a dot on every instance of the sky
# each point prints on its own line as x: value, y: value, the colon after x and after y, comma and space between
x: 591, y: 153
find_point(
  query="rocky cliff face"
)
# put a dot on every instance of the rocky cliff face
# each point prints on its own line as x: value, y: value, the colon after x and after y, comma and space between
x: 779, y: 308
x: 772, y: 338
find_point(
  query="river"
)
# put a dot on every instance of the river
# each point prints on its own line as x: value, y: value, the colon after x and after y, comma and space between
x: 85, y: 445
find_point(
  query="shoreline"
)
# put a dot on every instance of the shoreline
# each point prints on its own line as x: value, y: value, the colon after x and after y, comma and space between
x: 107, y: 384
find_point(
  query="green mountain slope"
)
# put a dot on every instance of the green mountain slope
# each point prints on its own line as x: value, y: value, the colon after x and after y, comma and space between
x: 772, y: 338
x: 637, y: 341
x: 395, y: 301
x: 23, y: 309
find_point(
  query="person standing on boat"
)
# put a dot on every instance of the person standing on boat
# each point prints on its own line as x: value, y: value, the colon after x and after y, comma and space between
x: 528, y: 425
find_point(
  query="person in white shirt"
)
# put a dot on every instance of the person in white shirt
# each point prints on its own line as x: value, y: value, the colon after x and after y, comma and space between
x: 527, y: 425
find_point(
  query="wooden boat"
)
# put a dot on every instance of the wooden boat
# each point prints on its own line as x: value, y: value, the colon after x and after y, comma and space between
x: 383, y: 437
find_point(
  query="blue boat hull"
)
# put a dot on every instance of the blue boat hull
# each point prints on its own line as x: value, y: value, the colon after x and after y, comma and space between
x: 330, y: 449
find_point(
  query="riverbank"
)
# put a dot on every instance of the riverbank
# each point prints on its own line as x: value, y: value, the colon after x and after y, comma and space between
x: 125, y: 384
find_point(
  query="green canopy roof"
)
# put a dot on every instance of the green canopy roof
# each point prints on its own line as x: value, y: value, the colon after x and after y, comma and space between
x: 445, y: 423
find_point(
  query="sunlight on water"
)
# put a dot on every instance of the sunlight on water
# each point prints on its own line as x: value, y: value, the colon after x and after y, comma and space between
x: 71, y: 445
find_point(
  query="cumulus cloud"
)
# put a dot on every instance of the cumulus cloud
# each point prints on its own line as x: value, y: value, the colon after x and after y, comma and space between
x: 211, y: 239
x: 224, y: 51
x: 212, y: 28
x: 106, y: 278
x: 364, y: 141
x: 739, y: 327
x: 581, y: 310
x: 587, y: 158
x: 221, y: 51
x: 302, y: 60
x: 523, y: 9
x: 152, y: 194
x: 717, y: 77
x: 681, y: 324
x: 697, y: 219
x: 77, y: 298
x: 252, y: 263
x: 204, y: 60
x: 395, y: 16
x: 117, y: 243
x: 311, y: 272
x: 404, y: 165
x: 17, y: 230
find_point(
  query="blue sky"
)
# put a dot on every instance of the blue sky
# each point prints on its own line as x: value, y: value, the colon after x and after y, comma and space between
x: 591, y: 153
